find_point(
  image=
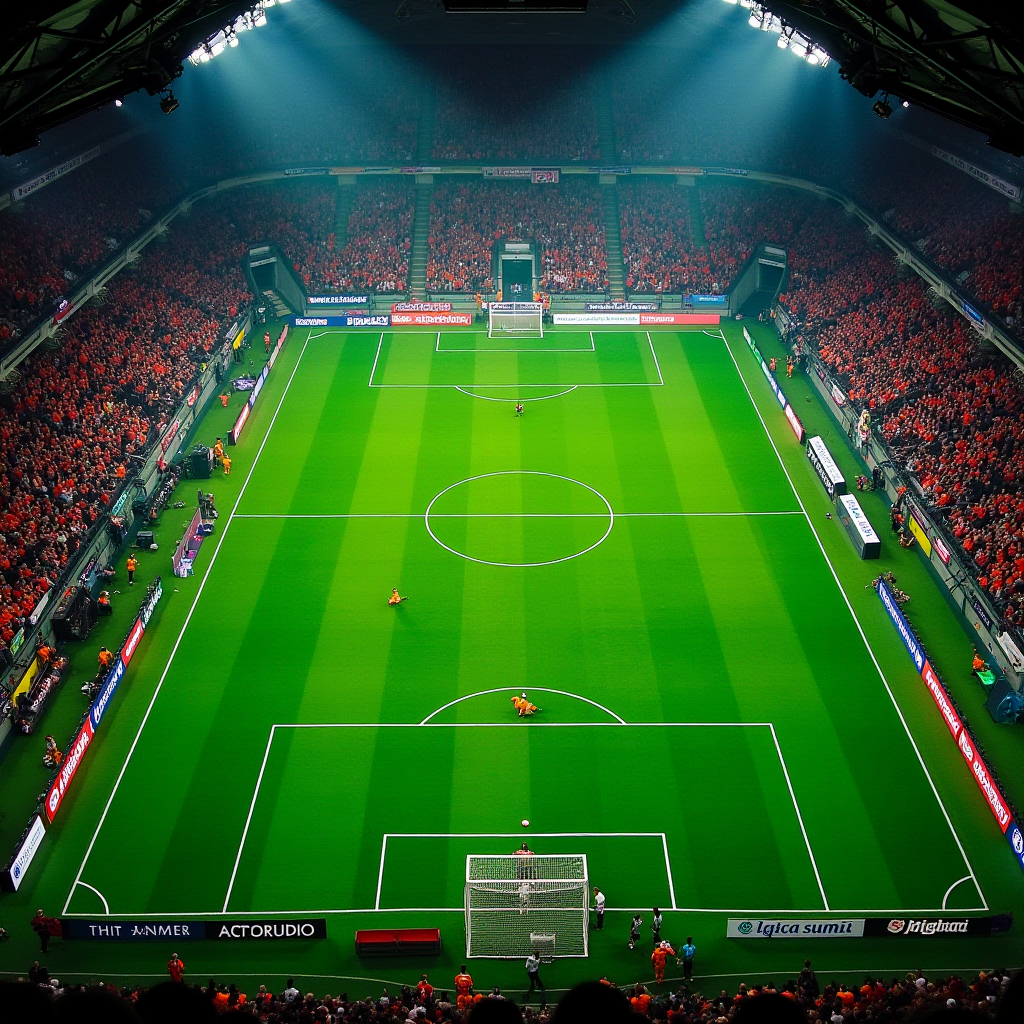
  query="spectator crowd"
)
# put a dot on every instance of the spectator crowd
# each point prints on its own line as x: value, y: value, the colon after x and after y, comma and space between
x: 986, y: 996
x: 468, y: 218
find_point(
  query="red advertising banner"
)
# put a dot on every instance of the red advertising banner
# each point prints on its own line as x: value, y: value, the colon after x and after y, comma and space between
x: 67, y: 772
x: 433, y: 319
x: 977, y: 764
x: 653, y: 319
x: 134, y: 636
x: 421, y: 307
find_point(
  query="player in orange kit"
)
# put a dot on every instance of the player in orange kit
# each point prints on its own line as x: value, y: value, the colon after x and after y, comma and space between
x: 524, y: 707
x: 661, y: 951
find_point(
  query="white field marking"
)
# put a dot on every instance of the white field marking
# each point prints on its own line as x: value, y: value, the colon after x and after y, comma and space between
x: 380, y: 873
x: 504, y: 515
x: 668, y: 871
x: 531, y: 835
x: 461, y: 387
x: 521, y: 398
x: 103, y: 899
x: 506, y: 835
x: 248, y: 818
x: 799, y: 816
x: 536, y: 689
x: 737, y: 911
x: 188, y: 619
x: 507, y: 350
x: 520, y: 472
x: 860, y: 628
x: 657, y: 365
x: 373, y: 369
x: 949, y: 891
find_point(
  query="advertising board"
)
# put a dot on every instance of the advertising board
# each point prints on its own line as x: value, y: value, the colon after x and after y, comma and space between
x: 795, y: 424
x: 348, y: 320
x: 55, y: 794
x: 866, y: 542
x: 545, y: 176
x: 236, y: 430
x: 941, y: 550
x: 825, y: 466
x: 918, y: 528
x: 800, y: 928
x: 899, y: 620
x: 128, y: 930
x: 24, y: 854
x: 421, y: 307
x: 337, y: 300
x: 611, y: 307
x: 26, y: 188
x: 654, y: 319
x: 901, y: 927
x: 707, y: 300
x: 594, y: 318
x: 431, y: 319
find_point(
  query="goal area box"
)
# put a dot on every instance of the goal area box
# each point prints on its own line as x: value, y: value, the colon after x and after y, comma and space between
x: 515, y: 318
x: 522, y: 904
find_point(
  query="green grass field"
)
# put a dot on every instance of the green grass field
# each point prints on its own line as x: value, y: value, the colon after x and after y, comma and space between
x: 717, y: 735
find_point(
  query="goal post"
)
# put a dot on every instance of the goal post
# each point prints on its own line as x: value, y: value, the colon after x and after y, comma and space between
x: 522, y: 318
x: 518, y: 905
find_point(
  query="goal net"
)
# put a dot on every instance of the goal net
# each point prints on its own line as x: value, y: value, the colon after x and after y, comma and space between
x: 515, y: 318
x: 517, y: 905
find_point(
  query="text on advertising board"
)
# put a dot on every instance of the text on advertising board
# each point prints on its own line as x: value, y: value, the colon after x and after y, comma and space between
x: 773, y: 928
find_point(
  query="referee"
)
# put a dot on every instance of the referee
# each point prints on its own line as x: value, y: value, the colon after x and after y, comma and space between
x: 533, y: 973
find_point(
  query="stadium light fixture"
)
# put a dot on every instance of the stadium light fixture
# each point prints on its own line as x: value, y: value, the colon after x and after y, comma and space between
x: 762, y: 19
x: 882, y: 108
x: 227, y: 37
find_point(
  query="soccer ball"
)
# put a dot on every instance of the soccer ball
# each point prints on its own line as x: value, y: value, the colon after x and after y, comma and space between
x: 154, y: 546
x: 526, y: 823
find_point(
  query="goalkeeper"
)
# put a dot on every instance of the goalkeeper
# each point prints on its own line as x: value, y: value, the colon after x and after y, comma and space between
x: 524, y: 707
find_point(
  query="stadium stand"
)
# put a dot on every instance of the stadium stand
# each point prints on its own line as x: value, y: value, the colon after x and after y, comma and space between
x: 950, y: 410
x: 467, y: 218
x: 70, y: 427
x: 872, y: 999
x: 657, y: 246
x: 537, y: 124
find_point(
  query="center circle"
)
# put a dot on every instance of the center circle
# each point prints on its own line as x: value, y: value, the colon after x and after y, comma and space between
x: 519, y: 518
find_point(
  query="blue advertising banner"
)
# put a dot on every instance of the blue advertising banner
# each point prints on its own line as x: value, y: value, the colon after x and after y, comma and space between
x: 707, y: 300
x: 337, y: 300
x: 902, y: 626
x: 349, y: 320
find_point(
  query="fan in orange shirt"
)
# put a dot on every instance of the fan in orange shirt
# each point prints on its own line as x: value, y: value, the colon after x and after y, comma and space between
x: 524, y: 707
x: 661, y: 952
x: 463, y: 984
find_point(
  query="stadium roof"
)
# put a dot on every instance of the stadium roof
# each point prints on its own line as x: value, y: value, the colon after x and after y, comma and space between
x: 61, y: 59
x: 964, y: 60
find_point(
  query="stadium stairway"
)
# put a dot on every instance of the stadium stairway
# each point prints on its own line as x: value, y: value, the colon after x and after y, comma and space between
x: 606, y: 140
x: 696, y: 219
x: 342, y: 211
x: 613, y: 241
x: 425, y: 126
x: 420, y: 236
x: 276, y: 303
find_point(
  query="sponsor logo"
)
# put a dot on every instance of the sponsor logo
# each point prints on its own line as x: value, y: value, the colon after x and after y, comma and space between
x: 133, y: 641
x: 652, y: 319
x: 67, y: 772
x: 941, y: 550
x: 432, y: 319
x: 610, y: 307
x: 311, y: 928
x: 1017, y: 841
x: 773, y: 928
x: 902, y: 626
x: 243, y: 415
x: 896, y: 926
x: 421, y: 307
x: 99, y: 705
x: 707, y: 300
x: 310, y: 321
x: 308, y: 170
x: 825, y: 466
x: 27, y: 851
x: 794, y: 422
x: 337, y: 300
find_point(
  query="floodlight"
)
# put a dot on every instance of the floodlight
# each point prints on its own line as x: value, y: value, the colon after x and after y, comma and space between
x: 260, y: 20
x: 882, y: 108
x: 204, y: 55
x: 731, y: 1
x: 217, y: 49
x: 169, y: 104
x: 233, y: 41
x: 746, y: 3
x: 755, y: 20
x: 120, y: 103
x: 269, y: 3
x: 905, y: 103
x: 783, y: 41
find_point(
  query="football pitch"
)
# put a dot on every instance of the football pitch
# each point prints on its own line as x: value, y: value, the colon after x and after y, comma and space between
x: 716, y: 734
